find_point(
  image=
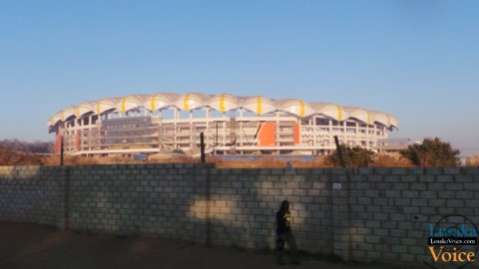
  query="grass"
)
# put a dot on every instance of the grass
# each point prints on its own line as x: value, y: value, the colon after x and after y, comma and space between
x: 9, y: 157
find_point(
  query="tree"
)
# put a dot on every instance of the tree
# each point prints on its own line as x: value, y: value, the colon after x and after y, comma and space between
x: 353, y: 157
x: 11, y: 157
x: 432, y: 153
x: 27, y: 147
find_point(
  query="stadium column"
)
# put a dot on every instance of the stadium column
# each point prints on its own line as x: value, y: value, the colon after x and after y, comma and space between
x: 207, y: 131
x: 77, y: 137
x: 71, y: 134
x: 241, y: 129
x: 192, y: 138
x: 223, y: 130
x: 276, y: 142
x: 175, y: 115
x: 357, y: 133
x: 71, y: 138
x: 310, y: 125
x: 89, y: 144
x: 331, y: 134
x: 313, y: 127
x: 300, y: 125
x: 97, y: 132
x: 367, y: 136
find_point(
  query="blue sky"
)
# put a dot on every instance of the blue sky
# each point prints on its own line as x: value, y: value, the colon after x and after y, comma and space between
x: 416, y: 59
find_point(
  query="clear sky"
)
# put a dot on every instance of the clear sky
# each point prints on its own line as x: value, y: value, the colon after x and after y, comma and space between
x: 418, y: 60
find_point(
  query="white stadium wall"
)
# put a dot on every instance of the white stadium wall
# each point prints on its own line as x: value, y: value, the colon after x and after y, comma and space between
x: 167, y: 122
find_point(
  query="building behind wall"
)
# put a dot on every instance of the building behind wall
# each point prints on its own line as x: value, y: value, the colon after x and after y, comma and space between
x: 472, y: 160
x: 232, y: 125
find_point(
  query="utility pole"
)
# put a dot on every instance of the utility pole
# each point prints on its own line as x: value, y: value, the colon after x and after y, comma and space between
x: 202, y: 147
x: 216, y: 138
x: 207, y: 191
x: 339, y: 151
x: 62, y: 151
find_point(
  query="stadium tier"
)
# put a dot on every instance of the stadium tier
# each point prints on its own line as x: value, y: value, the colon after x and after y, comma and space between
x: 168, y: 122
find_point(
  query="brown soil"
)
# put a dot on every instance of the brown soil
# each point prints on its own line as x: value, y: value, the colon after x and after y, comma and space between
x: 43, y: 247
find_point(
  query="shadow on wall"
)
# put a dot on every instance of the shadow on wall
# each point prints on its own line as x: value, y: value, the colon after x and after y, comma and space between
x: 244, y: 215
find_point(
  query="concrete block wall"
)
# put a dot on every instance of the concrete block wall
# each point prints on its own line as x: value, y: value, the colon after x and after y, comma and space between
x: 128, y: 199
x: 32, y: 194
x: 391, y: 209
x: 245, y: 202
x: 365, y: 214
x: 172, y: 201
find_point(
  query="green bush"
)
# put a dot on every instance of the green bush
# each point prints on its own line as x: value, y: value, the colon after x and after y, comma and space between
x: 353, y: 157
x: 432, y: 153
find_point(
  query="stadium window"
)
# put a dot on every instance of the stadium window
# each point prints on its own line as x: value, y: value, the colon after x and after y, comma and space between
x: 248, y: 113
x: 215, y: 113
x: 322, y: 121
x: 199, y: 113
x: 184, y: 114
x: 351, y: 123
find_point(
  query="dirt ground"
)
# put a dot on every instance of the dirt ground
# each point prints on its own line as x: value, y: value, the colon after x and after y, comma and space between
x: 43, y: 247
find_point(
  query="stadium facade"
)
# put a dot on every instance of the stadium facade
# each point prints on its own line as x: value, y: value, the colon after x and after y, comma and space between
x: 167, y: 122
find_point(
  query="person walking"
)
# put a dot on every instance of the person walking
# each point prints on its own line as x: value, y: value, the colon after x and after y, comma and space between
x: 284, y: 235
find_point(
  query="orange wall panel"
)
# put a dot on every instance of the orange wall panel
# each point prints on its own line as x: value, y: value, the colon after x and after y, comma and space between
x: 297, y: 134
x: 58, y: 143
x: 267, y: 134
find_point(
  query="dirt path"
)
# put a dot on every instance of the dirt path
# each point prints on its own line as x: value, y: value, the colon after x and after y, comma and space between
x: 42, y: 247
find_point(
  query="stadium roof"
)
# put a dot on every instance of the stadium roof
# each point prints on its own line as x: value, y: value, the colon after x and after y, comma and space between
x: 223, y: 103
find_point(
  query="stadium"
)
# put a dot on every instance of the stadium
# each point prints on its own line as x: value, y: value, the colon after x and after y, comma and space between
x: 232, y: 125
